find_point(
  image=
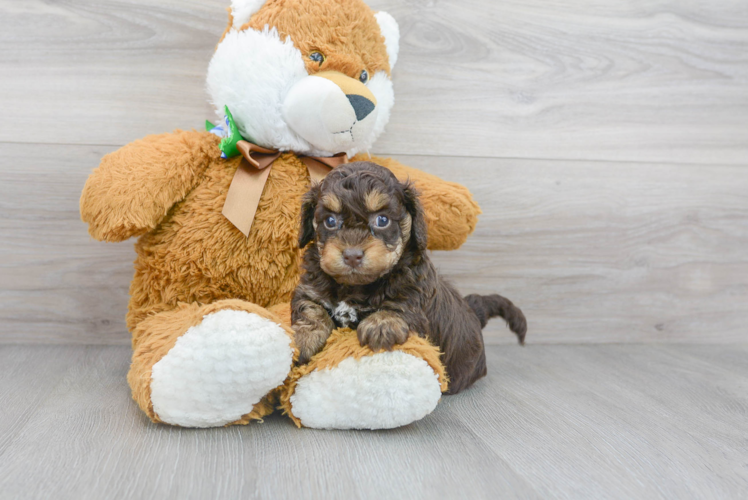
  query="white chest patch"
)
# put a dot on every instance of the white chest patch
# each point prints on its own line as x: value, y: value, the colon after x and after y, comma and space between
x: 344, y: 314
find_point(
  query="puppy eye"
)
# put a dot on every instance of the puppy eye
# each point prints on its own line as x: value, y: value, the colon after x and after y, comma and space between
x: 364, y: 76
x: 317, y: 57
x: 382, y: 221
x: 331, y: 222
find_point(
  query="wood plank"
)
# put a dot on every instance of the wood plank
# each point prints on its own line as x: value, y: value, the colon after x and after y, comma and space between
x: 600, y: 79
x: 613, y: 421
x: 626, y: 421
x: 594, y: 80
x: 606, y: 252
x: 56, y: 283
x: 28, y: 375
x: 89, y: 440
x: 104, y: 72
x: 592, y: 252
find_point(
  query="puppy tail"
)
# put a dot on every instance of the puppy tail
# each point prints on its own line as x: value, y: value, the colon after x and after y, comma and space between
x: 491, y: 306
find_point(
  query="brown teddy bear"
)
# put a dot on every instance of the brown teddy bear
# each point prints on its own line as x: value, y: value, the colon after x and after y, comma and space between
x: 304, y: 85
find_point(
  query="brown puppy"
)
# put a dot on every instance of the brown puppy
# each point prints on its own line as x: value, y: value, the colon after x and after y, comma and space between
x: 368, y: 269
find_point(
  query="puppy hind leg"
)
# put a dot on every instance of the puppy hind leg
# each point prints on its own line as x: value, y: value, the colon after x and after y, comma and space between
x: 465, y: 362
x: 457, y: 329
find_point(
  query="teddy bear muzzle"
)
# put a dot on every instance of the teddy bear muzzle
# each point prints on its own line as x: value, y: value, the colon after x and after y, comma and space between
x: 331, y: 111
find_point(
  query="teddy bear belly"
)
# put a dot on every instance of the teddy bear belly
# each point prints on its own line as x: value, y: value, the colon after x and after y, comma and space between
x: 197, y: 255
x: 161, y: 280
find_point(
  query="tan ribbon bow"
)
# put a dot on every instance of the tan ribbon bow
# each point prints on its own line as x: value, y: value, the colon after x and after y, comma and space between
x: 250, y: 178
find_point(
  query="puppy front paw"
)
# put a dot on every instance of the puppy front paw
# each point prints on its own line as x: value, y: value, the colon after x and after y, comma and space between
x: 310, y: 339
x: 382, y: 330
x: 312, y: 327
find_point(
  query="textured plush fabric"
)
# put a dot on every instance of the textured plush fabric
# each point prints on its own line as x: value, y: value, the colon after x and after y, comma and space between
x: 342, y: 345
x: 154, y: 337
x: 220, y: 369
x: 391, y: 33
x: 169, y: 190
x: 242, y: 10
x: 270, y: 55
x: 382, y: 391
x: 192, y: 255
x: 132, y: 190
x: 196, y: 255
x: 345, y: 32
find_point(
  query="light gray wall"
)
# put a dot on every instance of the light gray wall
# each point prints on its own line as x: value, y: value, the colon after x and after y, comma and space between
x: 606, y: 141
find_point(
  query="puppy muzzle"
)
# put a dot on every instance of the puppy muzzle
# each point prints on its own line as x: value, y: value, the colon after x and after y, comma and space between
x: 331, y: 111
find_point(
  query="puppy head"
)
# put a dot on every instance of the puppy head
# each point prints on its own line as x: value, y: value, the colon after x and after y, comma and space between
x: 362, y: 220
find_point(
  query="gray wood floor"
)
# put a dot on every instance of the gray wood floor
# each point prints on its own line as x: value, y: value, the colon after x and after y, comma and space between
x: 602, y: 421
x: 607, y: 143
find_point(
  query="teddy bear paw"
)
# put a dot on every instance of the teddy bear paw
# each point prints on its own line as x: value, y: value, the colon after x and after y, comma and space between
x: 381, y: 391
x: 218, y: 370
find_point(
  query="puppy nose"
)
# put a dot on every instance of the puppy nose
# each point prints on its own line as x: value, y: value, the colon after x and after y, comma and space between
x: 361, y: 105
x: 353, y: 256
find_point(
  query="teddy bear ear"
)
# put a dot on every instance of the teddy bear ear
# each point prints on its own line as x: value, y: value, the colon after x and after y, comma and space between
x: 242, y: 10
x: 391, y: 33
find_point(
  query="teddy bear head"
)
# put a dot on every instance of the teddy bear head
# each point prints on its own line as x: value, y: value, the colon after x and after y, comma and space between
x: 309, y: 76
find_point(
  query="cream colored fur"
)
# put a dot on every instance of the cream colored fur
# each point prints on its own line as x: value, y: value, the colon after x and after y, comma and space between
x: 285, y: 110
x: 242, y: 10
x: 209, y: 309
x: 391, y: 34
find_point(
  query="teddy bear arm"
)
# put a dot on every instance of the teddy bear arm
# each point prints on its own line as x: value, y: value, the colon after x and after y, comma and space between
x: 134, y: 187
x: 450, y: 210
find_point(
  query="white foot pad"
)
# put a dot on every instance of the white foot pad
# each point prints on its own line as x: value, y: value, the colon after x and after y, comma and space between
x: 220, y: 369
x: 383, y: 391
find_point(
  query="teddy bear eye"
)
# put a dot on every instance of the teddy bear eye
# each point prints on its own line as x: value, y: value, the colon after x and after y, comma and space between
x: 317, y: 57
x: 331, y: 222
x: 364, y: 77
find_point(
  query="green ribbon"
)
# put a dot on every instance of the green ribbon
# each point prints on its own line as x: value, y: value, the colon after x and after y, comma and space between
x: 228, y: 144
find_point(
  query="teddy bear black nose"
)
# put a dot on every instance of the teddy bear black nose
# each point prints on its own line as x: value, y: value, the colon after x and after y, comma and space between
x: 361, y: 105
x: 353, y: 256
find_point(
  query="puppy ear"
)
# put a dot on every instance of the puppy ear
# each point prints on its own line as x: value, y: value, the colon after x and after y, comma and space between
x: 418, y: 228
x: 307, y: 231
